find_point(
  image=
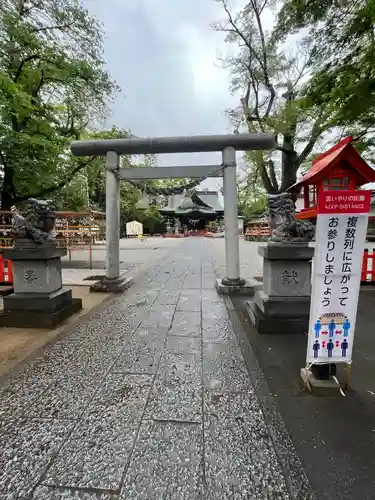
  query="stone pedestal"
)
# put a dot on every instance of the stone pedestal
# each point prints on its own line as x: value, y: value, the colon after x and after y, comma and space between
x: 283, y: 305
x: 38, y: 301
x: 116, y: 285
x: 244, y: 287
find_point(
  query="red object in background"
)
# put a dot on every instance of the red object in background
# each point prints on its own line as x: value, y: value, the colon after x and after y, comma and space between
x: 341, y: 168
x: 6, y: 271
x: 344, y: 202
x: 368, y: 275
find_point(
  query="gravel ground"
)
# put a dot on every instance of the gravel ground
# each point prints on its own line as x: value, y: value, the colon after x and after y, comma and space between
x: 148, y: 398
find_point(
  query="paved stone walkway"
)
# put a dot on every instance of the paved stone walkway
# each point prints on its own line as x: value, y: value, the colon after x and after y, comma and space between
x: 149, y: 398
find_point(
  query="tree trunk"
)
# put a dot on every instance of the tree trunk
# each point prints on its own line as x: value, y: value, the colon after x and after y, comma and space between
x: 288, y: 163
x: 7, y: 192
x: 266, y: 181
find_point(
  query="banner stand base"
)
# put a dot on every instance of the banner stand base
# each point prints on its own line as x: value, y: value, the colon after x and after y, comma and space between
x: 317, y: 387
x: 324, y: 372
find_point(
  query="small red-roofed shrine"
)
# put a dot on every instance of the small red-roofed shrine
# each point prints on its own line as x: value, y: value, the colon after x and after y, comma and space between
x: 339, y: 168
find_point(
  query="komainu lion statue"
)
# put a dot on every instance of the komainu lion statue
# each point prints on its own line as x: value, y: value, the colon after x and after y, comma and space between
x: 285, y: 228
x: 38, y: 223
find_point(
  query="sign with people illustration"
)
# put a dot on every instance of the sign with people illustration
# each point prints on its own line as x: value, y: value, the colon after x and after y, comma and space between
x: 340, y: 239
x: 330, y: 332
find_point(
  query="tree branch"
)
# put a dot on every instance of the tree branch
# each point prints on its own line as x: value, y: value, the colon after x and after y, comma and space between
x: 264, y: 57
x: 272, y: 174
x: 21, y: 65
x: 3, y: 161
x: 266, y: 179
x: 363, y: 133
x: 40, y: 85
x: 315, y: 133
x: 238, y: 32
x: 33, y: 5
x: 260, y: 59
x: 57, y: 27
x: 254, y: 84
x: 301, y: 72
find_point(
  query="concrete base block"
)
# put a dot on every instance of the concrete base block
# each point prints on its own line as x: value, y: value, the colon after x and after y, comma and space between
x: 284, y: 251
x: 118, y: 285
x: 282, y: 306
x: 38, y: 302
x: 39, y: 319
x: 248, y: 288
x: 263, y: 323
x: 323, y: 388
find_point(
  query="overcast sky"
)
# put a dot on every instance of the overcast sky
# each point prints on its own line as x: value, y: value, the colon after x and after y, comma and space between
x: 163, y: 54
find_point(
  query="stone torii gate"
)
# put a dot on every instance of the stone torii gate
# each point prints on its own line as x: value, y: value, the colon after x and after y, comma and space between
x: 227, y: 144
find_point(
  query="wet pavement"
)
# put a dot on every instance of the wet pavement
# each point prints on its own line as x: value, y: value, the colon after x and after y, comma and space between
x: 148, y: 398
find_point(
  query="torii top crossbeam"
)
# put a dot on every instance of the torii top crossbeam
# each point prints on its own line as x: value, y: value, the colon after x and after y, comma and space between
x: 188, y: 144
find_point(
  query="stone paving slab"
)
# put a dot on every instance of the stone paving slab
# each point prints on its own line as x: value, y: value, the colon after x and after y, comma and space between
x: 96, y: 453
x: 141, y: 355
x: 73, y: 389
x: 48, y: 493
x: 166, y: 463
x: 240, y: 461
x: 176, y: 394
x: 224, y: 369
x: 67, y: 398
x: 210, y: 297
x: 159, y: 317
x: 174, y: 284
x: 168, y: 297
x: 216, y: 311
x: 186, y: 323
x: 183, y: 345
x: 14, y: 401
x: 189, y: 301
x: 215, y: 329
x: 193, y: 281
x: 26, y: 449
x: 208, y: 280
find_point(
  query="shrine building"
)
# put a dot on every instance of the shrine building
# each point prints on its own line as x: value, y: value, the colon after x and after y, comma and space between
x: 339, y: 168
x: 194, y: 211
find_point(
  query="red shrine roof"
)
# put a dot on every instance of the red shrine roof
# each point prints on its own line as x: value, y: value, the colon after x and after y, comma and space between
x: 325, y: 162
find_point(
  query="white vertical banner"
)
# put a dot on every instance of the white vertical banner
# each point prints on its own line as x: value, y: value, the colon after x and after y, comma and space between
x: 134, y: 228
x: 339, y: 245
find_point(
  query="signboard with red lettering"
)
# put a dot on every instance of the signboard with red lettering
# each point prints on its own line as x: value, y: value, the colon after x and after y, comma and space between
x: 339, y: 244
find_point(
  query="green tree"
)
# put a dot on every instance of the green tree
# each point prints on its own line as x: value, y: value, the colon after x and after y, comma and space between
x: 251, y: 194
x: 52, y: 86
x: 269, y: 79
x: 75, y: 195
x: 342, y: 40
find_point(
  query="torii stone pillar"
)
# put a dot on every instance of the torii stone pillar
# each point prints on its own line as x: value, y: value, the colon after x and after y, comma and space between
x: 232, y: 250
x: 112, y: 230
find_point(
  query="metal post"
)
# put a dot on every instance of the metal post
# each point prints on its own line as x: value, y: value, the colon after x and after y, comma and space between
x: 232, y: 250
x: 112, y: 207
